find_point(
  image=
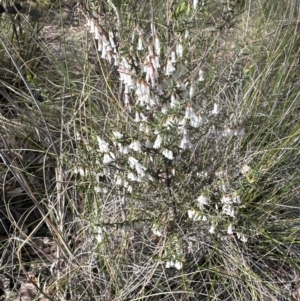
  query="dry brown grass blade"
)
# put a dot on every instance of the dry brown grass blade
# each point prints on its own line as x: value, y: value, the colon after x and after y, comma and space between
x: 12, y: 166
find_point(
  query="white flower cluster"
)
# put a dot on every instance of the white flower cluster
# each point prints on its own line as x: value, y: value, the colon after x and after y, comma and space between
x: 203, y: 200
x: 99, y: 234
x: 174, y: 264
x: 145, y: 89
x: 106, y: 41
x: 194, y: 215
x: 80, y: 170
x: 224, y: 204
x: 228, y: 202
x: 157, y: 230
x: 108, y: 156
x: 134, y: 164
x: 146, y: 77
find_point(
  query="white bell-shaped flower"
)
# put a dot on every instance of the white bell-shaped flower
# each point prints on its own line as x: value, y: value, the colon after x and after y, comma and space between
x: 135, y: 145
x: 157, y: 45
x: 103, y: 145
x: 201, y: 76
x: 203, y: 200
x: 168, y: 154
x: 179, y: 50
x: 108, y: 157
x: 228, y: 210
x: 157, y: 142
x: 140, y: 43
x: 230, y: 229
x: 170, y: 69
x: 195, y: 3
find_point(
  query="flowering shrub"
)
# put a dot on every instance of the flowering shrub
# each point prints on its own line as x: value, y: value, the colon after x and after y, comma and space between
x: 170, y: 171
x: 176, y: 152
